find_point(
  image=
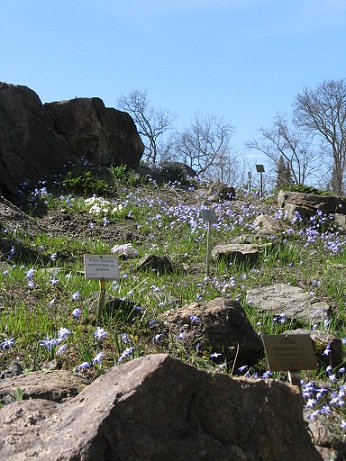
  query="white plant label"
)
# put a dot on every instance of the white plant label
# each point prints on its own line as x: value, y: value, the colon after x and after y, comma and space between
x: 101, y: 267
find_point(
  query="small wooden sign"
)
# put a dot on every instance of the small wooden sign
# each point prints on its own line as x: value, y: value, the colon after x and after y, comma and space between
x: 209, y: 216
x: 101, y: 267
x: 290, y: 352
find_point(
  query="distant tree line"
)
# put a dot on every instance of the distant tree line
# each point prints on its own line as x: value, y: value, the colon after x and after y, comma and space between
x: 311, y: 143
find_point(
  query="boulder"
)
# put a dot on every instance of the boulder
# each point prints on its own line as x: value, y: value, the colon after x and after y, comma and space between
x: 30, y: 148
x: 103, y: 135
x: 220, y: 191
x: 237, y: 252
x: 161, y: 264
x: 179, y: 167
x: 157, y: 407
x: 219, y: 325
x: 49, y: 385
x: 328, y: 204
x: 267, y: 225
x: 288, y: 302
x: 37, y: 141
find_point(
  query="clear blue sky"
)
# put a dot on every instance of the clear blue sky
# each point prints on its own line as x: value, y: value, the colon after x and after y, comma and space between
x: 244, y: 60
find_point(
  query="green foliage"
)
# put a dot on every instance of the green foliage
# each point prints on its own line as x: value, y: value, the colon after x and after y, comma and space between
x: 86, y: 183
x: 174, y: 173
x: 122, y: 175
x: 306, y: 189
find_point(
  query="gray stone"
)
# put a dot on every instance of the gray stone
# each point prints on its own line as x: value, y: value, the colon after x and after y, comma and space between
x: 266, y: 224
x: 294, y: 302
x: 340, y: 220
x: 219, y: 325
x: 15, y: 369
x: 160, y: 264
x: 159, y: 408
x: 103, y: 135
x: 328, y: 204
x: 37, y: 141
x: 49, y: 385
x: 234, y: 252
x: 220, y: 191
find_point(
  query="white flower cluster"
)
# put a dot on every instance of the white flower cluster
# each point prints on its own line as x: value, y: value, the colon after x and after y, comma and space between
x: 101, y: 207
x: 125, y: 250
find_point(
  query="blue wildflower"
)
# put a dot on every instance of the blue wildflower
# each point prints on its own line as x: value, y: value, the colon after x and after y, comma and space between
x: 7, y: 344
x: 98, y: 358
x: 100, y: 333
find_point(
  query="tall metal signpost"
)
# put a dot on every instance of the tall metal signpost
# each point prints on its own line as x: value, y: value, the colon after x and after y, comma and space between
x: 260, y: 170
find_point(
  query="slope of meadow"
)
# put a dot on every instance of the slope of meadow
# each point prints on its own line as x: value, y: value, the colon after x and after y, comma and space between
x: 47, y: 316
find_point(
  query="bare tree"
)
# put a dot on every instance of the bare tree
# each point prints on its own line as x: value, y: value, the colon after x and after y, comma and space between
x: 205, y: 147
x: 281, y: 143
x: 151, y: 123
x: 322, y: 112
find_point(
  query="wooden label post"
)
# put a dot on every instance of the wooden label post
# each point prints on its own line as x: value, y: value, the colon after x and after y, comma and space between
x: 290, y: 353
x: 209, y: 216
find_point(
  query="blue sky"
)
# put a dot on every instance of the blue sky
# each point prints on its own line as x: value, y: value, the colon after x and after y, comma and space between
x: 244, y: 60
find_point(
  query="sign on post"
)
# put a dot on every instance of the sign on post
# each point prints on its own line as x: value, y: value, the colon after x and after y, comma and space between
x: 290, y: 353
x: 101, y: 267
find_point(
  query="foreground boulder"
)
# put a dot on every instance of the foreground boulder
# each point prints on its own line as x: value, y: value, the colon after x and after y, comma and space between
x: 158, y: 408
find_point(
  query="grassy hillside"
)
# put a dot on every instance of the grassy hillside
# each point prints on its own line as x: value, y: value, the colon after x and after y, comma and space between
x: 47, y: 316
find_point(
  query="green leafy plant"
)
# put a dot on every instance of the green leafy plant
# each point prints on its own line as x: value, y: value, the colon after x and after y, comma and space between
x: 86, y: 183
x: 123, y: 175
x: 306, y: 189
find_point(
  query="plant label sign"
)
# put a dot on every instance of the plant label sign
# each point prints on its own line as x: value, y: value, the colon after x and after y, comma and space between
x: 101, y: 267
x: 290, y: 352
x: 209, y: 216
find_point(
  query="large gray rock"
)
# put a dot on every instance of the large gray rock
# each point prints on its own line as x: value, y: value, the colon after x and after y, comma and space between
x: 158, y: 408
x: 37, y: 141
x: 237, y: 252
x: 292, y: 302
x: 48, y: 385
x: 103, y: 135
x: 220, y: 325
x: 328, y: 204
x: 30, y: 148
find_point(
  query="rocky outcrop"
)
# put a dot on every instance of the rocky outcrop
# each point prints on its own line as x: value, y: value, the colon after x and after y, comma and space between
x: 30, y: 148
x: 158, y: 408
x: 37, y: 141
x: 307, y: 204
x: 103, y: 135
